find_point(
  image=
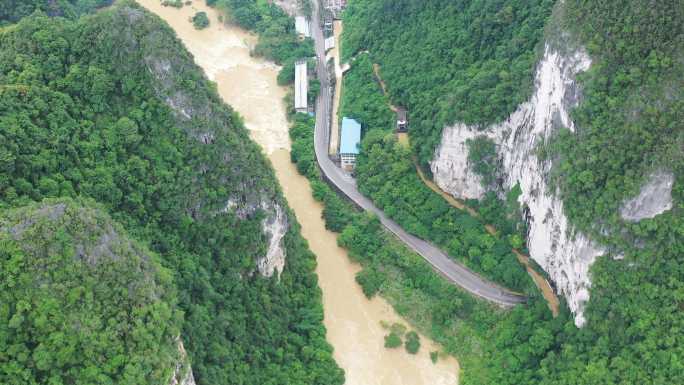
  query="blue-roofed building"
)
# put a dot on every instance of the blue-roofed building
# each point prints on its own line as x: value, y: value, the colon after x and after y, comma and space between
x: 350, y: 143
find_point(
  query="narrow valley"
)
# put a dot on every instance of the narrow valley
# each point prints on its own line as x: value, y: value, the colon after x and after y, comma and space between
x: 353, y: 322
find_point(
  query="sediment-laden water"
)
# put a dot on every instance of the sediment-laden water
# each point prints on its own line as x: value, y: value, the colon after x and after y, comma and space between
x: 352, y: 321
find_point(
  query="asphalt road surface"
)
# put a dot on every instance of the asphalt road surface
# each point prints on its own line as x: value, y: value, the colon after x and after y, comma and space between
x: 452, y: 270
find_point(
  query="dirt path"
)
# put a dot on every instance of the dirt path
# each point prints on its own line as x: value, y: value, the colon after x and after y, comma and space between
x: 376, y: 71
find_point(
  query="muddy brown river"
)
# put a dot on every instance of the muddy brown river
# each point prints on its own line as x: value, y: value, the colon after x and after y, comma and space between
x: 353, y: 322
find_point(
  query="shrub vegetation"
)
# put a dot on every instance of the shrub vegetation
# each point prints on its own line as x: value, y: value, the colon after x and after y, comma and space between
x: 200, y: 20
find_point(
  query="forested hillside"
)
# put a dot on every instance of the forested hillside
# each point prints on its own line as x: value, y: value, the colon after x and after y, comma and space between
x: 631, y: 121
x: 111, y: 107
x: 386, y: 173
x: 67, y: 267
x: 13, y: 10
x: 453, y: 62
x: 448, y: 60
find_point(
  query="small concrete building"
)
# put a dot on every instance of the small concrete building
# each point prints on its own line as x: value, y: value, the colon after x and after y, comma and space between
x: 301, y: 87
x: 302, y: 26
x: 402, y: 120
x: 329, y: 43
x: 350, y: 142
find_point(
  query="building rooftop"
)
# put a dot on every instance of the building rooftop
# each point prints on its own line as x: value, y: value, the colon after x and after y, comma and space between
x: 302, y: 26
x: 301, y: 86
x: 350, y: 136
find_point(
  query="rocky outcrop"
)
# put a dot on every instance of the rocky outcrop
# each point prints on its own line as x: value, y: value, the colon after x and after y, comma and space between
x: 565, y: 254
x: 655, y: 197
x: 275, y: 227
x: 450, y: 166
x: 182, y: 375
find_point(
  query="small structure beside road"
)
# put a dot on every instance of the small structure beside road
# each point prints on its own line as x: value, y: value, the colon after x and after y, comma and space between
x: 301, y: 87
x: 329, y: 43
x: 327, y: 23
x: 350, y: 143
x: 302, y: 26
x: 402, y: 120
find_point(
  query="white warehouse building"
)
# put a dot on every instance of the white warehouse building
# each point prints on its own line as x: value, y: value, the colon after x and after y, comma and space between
x: 301, y: 87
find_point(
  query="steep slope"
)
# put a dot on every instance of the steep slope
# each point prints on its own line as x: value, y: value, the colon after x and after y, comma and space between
x: 386, y: 173
x: 596, y: 154
x: 446, y: 60
x: 552, y: 242
x: 112, y: 107
x: 577, y: 183
x: 82, y: 303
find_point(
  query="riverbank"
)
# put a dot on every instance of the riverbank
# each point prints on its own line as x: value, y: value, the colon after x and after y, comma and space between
x: 353, y: 322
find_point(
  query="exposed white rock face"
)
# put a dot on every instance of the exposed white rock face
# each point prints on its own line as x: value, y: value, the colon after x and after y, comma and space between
x: 565, y: 254
x: 450, y: 165
x: 183, y: 373
x: 275, y: 227
x: 654, y: 198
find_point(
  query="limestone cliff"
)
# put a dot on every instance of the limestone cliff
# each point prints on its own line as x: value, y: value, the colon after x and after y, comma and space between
x: 564, y: 253
x: 655, y: 197
x: 274, y: 226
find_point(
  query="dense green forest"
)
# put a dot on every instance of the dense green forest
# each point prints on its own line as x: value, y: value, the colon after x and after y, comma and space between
x: 385, y: 172
x: 631, y: 119
x: 629, y: 124
x: 363, y: 99
x: 468, y: 328
x: 448, y: 60
x: 68, y: 268
x: 13, y: 10
x: 112, y: 107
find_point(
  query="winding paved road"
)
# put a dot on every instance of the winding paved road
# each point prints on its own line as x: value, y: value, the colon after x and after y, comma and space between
x: 452, y: 270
